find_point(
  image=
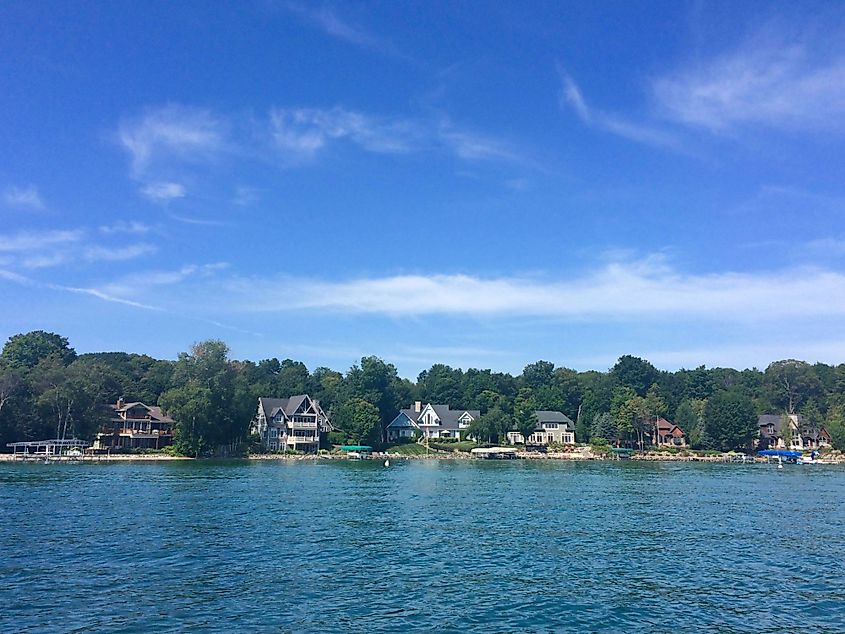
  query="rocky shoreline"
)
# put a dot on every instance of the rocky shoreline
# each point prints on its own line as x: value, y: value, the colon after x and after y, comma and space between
x: 580, y: 454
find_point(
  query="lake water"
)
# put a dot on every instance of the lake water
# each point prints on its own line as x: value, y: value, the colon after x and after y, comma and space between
x: 524, y: 546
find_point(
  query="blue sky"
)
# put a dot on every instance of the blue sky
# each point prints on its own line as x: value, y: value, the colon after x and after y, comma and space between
x: 479, y: 184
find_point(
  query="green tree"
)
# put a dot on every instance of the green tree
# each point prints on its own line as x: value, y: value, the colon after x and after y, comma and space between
x: 190, y: 405
x: 690, y: 418
x: 729, y: 421
x: 635, y: 373
x: 790, y: 383
x: 26, y: 350
x: 523, y: 413
x: 490, y: 426
x: 835, y: 426
x: 604, y: 426
x: 205, y: 379
x: 359, y: 420
x: 538, y: 374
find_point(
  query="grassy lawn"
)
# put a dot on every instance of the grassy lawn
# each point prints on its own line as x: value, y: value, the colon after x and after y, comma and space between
x: 464, y: 445
x: 407, y: 449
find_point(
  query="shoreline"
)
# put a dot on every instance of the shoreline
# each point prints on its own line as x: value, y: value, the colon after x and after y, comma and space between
x: 575, y: 456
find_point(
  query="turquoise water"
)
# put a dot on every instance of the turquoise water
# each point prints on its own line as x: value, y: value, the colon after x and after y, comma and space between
x: 453, y: 546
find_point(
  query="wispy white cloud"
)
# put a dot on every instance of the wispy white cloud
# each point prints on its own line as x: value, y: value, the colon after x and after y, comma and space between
x: 571, y: 97
x: 162, y: 142
x: 117, y: 254
x: 93, y: 292
x: 769, y: 81
x: 163, y: 191
x: 23, y: 197
x: 326, y: 19
x: 245, y: 196
x: 645, y: 290
x: 141, y: 281
x: 305, y: 131
x: 473, y: 146
x: 183, y: 132
x: 35, y: 250
x: 200, y: 222
x: 34, y: 241
x: 126, y: 227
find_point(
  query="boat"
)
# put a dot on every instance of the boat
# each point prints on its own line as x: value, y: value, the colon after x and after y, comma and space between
x: 813, y: 458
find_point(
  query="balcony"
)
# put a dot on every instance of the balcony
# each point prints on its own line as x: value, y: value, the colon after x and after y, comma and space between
x: 302, y: 440
x: 302, y: 425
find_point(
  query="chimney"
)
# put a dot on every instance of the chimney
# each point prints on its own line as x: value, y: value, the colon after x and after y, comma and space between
x: 417, y: 406
x: 119, y: 402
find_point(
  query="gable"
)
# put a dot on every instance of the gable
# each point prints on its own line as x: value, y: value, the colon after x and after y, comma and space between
x: 402, y: 421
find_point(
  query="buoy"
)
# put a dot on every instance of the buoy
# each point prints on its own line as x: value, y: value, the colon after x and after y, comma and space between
x: 387, y: 463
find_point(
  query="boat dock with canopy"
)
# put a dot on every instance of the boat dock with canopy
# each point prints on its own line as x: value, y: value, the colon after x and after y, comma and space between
x: 782, y: 455
x: 357, y: 452
x: 53, y: 449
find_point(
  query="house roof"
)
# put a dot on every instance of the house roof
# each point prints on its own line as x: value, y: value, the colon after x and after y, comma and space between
x: 775, y: 420
x: 153, y: 411
x: 449, y: 418
x: 271, y: 406
x: 550, y: 416
x: 668, y: 427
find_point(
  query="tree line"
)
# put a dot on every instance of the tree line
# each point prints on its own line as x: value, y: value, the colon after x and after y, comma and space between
x: 48, y: 390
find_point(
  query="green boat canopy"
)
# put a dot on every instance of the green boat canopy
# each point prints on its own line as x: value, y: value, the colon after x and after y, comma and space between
x: 355, y: 448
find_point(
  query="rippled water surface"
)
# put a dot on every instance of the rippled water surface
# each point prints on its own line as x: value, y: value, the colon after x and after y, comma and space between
x: 454, y: 546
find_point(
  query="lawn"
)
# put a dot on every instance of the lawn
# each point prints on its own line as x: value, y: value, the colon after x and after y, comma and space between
x: 407, y: 449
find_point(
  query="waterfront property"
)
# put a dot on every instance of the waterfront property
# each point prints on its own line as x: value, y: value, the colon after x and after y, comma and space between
x: 668, y: 434
x: 552, y: 428
x: 790, y: 431
x: 430, y: 421
x: 297, y: 423
x: 135, y: 426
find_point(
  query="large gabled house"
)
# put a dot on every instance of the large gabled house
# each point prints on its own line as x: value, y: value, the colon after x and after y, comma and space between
x: 135, y: 425
x: 789, y: 431
x: 552, y: 428
x: 668, y: 434
x: 430, y: 421
x: 297, y: 423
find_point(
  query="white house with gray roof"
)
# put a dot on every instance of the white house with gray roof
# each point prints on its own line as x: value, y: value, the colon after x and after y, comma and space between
x: 552, y: 428
x: 296, y: 423
x: 430, y: 421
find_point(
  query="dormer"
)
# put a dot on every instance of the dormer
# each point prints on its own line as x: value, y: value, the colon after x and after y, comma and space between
x: 428, y: 417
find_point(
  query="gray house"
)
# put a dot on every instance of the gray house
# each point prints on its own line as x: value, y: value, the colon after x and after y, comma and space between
x: 430, y: 421
x: 296, y: 423
x: 552, y: 427
x: 789, y: 431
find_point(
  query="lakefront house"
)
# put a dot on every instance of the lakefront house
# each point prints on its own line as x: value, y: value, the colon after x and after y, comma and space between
x: 789, y: 431
x: 552, y: 428
x: 430, y: 421
x: 297, y: 423
x: 668, y: 434
x: 135, y: 426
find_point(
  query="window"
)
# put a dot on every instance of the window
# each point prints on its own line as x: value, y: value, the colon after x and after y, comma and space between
x: 550, y: 425
x: 274, y: 433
